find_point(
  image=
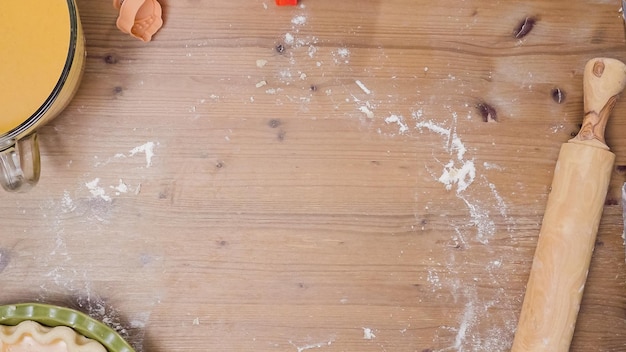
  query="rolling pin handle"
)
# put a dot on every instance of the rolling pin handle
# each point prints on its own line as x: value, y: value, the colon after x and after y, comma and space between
x: 603, y: 80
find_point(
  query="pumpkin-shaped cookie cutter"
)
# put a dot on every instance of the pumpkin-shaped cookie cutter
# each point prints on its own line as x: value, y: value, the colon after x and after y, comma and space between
x: 139, y: 18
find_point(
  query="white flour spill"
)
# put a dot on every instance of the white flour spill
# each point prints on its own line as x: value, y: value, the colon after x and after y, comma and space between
x: 147, y: 149
x: 433, y: 279
x: 298, y: 20
x: 368, y: 334
x: 363, y: 87
x: 366, y: 110
x: 432, y: 126
x: 289, y: 38
x: 67, y: 203
x: 398, y: 120
x: 312, y: 345
x: 97, y: 191
x: 479, y: 327
x: 499, y: 200
x: 462, y: 175
x: 295, y: 40
x: 492, y: 166
x: 343, y: 52
x: 457, y: 171
x: 272, y: 91
x: 469, y: 316
x: 341, y: 55
x: 120, y: 188
x: 557, y: 128
x: 481, y: 221
x: 458, y: 146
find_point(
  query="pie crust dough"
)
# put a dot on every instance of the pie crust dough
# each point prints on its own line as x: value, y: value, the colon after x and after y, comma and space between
x: 30, y: 336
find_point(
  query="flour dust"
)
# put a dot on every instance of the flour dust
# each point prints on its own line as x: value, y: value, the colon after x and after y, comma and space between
x: 456, y: 168
x: 74, y: 218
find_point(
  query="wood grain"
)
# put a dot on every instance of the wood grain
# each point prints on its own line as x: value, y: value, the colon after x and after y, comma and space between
x: 283, y: 218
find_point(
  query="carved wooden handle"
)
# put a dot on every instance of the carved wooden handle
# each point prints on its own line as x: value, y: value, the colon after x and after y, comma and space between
x: 603, y: 80
x: 570, y: 223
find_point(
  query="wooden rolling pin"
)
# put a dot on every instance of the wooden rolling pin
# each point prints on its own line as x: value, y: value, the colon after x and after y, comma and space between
x: 570, y: 223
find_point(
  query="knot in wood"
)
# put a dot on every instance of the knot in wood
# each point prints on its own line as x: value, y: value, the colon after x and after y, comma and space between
x: 598, y: 68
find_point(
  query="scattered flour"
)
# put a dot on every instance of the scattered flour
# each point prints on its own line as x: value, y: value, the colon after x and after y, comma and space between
x: 365, y: 107
x: 97, y: 191
x: 341, y: 55
x: 368, y: 334
x: 469, y: 316
x: 366, y: 110
x: 499, y: 200
x: 481, y: 220
x: 458, y: 146
x: 432, y: 127
x: 261, y: 63
x: 289, y: 38
x: 67, y: 203
x: 343, y: 52
x: 458, y: 171
x: 299, y: 20
x: 312, y: 345
x: 492, y: 166
x: 433, y: 279
x: 285, y: 75
x: 496, y: 333
x: 557, y: 128
x: 363, y: 87
x: 147, y: 149
x: 120, y: 188
x: 479, y: 327
x: 67, y: 275
x: 460, y: 175
x: 399, y: 120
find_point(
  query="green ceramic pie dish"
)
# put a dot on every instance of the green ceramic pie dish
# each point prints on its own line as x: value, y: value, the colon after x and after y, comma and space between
x: 52, y: 316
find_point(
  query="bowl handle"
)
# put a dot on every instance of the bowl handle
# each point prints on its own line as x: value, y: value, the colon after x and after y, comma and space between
x: 20, y: 164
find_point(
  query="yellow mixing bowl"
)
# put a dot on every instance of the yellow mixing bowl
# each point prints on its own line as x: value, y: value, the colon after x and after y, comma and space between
x: 40, y: 69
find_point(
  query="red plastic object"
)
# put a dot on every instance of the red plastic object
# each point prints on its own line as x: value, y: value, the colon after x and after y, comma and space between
x: 286, y: 2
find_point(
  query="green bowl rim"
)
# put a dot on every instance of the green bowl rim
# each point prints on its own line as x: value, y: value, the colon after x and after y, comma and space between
x: 50, y: 315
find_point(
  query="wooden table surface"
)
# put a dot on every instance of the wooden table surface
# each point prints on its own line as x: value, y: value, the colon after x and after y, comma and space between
x: 336, y: 176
